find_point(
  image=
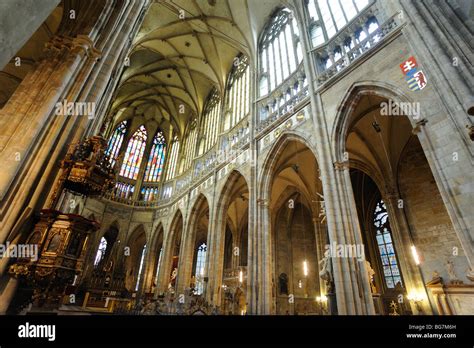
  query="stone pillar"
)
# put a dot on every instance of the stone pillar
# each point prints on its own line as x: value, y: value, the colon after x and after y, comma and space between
x: 165, y: 267
x: 321, y: 242
x: 445, y: 133
x: 216, y: 255
x: 363, y: 277
x: 185, y: 264
x: 264, y: 258
x: 208, y: 271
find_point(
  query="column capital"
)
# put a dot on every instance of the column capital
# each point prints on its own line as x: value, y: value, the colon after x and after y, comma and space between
x: 263, y: 202
x: 59, y: 46
x: 83, y: 42
x: 341, y: 165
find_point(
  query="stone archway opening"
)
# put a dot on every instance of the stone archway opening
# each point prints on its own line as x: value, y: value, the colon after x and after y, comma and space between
x: 234, y: 246
x: 134, y: 257
x: 298, y: 232
x: 388, y: 164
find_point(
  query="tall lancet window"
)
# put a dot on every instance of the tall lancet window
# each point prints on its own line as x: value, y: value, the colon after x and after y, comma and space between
x: 173, y: 159
x: 156, y: 160
x: 238, y: 97
x: 210, y: 122
x: 134, y: 154
x: 115, y: 142
x: 200, y: 264
x: 280, y: 51
x: 391, y: 271
x: 189, y: 147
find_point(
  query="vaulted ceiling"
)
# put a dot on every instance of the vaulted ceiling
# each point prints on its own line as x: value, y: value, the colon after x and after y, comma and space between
x: 183, y: 50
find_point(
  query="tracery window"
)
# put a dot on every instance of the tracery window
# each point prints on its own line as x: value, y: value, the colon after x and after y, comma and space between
x: 210, y: 122
x: 124, y: 191
x: 387, y: 253
x: 327, y: 17
x: 280, y: 51
x: 149, y: 194
x: 156, y: 160
x: 199, y: 271
x: 115, y: 142
x: 238, y: 95
x: 189, y: 148
x: 100, y: 251
x: 134, y: 154
x: 173, y: 159
x: 140, y: 268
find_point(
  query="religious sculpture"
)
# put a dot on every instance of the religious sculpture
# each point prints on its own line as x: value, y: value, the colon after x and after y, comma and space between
x: 371, y: 273
x: 452, y: 272
x: 325, y: 271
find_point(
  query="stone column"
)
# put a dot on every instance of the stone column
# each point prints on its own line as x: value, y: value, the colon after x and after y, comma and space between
x: 363, y: 277
x: 185, y: 264
x: 445, y: 133
x: 166, y: 263
x: 215, y: 264
x: 264, y: 258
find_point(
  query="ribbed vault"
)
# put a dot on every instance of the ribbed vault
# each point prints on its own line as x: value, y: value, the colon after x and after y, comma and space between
x: 183, y: 49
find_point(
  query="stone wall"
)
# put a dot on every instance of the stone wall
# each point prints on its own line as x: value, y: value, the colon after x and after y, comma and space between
x: 432, y: 229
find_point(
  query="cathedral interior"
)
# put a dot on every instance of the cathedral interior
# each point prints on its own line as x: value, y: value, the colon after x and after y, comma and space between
x: 237, y: 157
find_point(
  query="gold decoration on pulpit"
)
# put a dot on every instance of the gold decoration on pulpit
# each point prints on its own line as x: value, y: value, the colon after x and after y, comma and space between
x: 86, y: 170
x: 62, y: 241
x: 394, y: 308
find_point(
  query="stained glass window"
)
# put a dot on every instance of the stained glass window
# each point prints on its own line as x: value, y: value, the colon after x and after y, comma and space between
x: 383, y: 236
x: 156, y: 160
x: 149, y: 194
x: 134, y: 154
x: 124, y: 191
x: 280, y: 50
x: 173, y: 159
x: 115, y: 142
x: 140, y: 268
x: 101, y: 251
x: 199, y: 271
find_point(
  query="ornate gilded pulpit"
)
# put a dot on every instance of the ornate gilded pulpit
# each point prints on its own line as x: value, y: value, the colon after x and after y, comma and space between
x: 61, y: 240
